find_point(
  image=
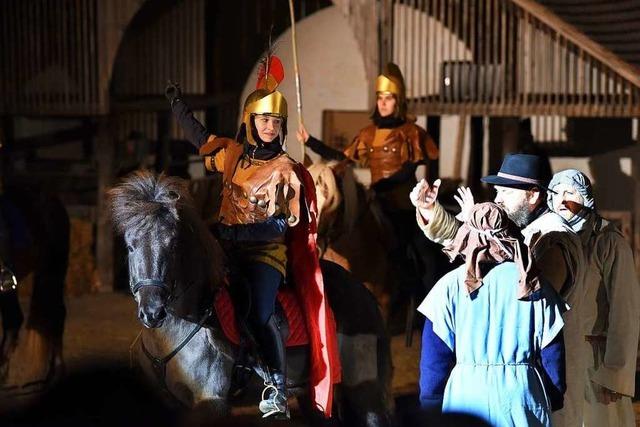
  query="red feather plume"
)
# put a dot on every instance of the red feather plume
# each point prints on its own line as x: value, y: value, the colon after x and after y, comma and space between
x: 270, y: 73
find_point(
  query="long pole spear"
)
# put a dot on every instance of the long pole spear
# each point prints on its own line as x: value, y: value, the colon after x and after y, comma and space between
x: 296, y: 71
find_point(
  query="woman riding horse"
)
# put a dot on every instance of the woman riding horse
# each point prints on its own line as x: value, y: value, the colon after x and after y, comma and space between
x: 266, y: 225
x: 395, y: 150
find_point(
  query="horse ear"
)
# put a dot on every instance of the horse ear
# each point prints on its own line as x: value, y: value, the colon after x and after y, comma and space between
x: 173, y: 195
x: 340, y: 168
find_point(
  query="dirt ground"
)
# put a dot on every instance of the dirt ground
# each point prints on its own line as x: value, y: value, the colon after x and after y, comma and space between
x: 101, y: 327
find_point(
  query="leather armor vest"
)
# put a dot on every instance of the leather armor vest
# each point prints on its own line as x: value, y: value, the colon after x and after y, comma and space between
x: 255, y: 190
x: 384, y: 151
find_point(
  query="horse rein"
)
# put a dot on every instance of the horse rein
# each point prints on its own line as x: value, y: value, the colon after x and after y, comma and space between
x: 160, y: 363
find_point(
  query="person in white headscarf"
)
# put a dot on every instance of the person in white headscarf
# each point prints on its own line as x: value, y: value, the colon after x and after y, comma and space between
x: 610, y: 306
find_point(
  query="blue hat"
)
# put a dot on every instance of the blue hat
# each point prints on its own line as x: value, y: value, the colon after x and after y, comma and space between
x: 522, y: 171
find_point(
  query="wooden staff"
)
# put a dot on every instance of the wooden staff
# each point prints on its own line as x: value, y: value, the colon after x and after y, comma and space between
x: 295, y: 68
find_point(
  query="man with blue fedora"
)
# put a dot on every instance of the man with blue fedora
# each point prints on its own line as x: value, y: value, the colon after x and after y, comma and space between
x: 521, y: 187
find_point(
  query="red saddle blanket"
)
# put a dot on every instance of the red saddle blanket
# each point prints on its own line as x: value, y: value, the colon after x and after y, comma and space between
x: 290, y: 305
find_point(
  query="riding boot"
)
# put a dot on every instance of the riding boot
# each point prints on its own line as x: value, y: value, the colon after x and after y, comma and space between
x: 274, y: 396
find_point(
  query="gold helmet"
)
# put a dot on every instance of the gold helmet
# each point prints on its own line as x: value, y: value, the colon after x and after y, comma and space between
x: 266, y: 99
x: 391, y: 81
x: 263, y: 101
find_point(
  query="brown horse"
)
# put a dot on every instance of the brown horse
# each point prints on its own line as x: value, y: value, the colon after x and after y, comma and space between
x: 355, y: 233
x: 350, y: 233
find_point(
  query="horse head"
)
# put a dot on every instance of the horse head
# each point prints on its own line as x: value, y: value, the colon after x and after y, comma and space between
x: 327, y: 191
x: 336, y: 188
x: 170, y: 251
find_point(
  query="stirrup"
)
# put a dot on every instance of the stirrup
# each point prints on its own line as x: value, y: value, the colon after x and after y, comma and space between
x: 269, y: 405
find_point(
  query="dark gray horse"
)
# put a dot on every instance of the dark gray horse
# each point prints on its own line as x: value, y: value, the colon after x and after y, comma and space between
x: 175, y: 269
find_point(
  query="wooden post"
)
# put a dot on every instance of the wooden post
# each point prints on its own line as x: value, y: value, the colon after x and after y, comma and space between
x: 635, y: 172
x: 6, y: 141
x: 475, y: 153
x: 457, y: 162
x: 503, y: 139
x: 163, y: 156
x: 105, y: 159
x: 433, y: 127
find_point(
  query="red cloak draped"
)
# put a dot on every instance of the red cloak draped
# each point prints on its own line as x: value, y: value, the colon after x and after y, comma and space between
x: 302, y: 254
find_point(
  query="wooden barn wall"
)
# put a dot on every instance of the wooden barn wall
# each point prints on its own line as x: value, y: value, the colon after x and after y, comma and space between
x: 168, y: 47
x: 494, y: 57
x: 48, y: 55
x: 56, y: 56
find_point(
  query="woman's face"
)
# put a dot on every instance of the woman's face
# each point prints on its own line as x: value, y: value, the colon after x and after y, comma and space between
x: 268, y: 127
x: 567, y: 201
x: 386, y: 103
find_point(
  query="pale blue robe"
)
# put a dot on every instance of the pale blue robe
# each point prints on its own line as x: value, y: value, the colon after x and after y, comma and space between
x: 497, y: 340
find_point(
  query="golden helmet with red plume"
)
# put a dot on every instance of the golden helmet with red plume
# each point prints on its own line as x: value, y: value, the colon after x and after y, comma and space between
x: 266, y: 99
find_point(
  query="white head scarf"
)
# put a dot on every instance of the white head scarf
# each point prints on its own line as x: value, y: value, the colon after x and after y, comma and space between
x: 582, y: 184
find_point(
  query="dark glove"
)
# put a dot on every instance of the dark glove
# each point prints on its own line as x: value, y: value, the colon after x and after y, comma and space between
x: 172, y: 92
x: 195, y: 132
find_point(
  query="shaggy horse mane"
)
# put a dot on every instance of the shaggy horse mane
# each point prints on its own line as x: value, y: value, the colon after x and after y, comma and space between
x: 143, y: 201
x: 148, y: 204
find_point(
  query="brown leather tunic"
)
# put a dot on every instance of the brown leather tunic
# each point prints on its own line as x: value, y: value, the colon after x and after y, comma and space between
x: 254, y: 190
x: 384, y: 151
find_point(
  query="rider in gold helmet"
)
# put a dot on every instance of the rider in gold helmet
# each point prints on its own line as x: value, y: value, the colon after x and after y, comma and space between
x: 394, y: 149
x: 267, y: 199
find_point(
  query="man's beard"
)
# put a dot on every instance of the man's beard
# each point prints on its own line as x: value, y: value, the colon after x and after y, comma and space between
x: 521, y: 216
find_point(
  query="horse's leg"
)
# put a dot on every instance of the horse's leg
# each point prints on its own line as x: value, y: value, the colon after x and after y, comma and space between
x: 12, y: 319
x: 206, y: 412
x: 364, y: 397
x: 366, y: 380
x: 313, y: 416
x: 45, y: 323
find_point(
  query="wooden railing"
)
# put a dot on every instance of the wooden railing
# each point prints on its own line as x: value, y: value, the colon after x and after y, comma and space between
x: 502, y: 57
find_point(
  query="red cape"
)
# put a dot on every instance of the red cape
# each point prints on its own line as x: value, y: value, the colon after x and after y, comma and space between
x: 303, y: 258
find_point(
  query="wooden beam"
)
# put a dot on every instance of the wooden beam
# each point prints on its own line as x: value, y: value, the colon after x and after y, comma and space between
x: 503, y: 139
x: 433, y: 106
x: 571, y: 33
x: 105, y: 159
x: 635, y: 172
x: 6, y: 145
x: 474, y: 173
x: 78, y: 133
x: 433, y: 127
x: 160, y: 103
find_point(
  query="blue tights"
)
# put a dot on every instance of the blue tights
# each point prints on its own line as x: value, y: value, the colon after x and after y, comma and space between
x: 264, y: 281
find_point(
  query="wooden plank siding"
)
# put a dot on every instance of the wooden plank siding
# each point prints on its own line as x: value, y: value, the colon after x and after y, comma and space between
x: 48, y: 55
x: 503, y: 58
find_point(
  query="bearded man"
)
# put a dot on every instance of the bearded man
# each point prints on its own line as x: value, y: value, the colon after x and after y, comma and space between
x: 521, y: 190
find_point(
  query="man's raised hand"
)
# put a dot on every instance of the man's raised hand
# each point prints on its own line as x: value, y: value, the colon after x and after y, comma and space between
x: 423, y: 196
x: 466, y: 202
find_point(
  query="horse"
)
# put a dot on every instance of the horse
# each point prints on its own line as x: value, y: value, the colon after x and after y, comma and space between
x: 348, y: 232
x: 354, y: 232
x: 176, y: 268
x: 34, y: 240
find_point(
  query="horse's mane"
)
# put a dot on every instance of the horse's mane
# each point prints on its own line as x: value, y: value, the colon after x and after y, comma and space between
x: 144, y: 201
x: 323, y: 174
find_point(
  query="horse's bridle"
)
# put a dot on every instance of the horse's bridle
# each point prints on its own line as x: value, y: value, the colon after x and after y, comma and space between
x: 150, y: 282
x: 160, y: 363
